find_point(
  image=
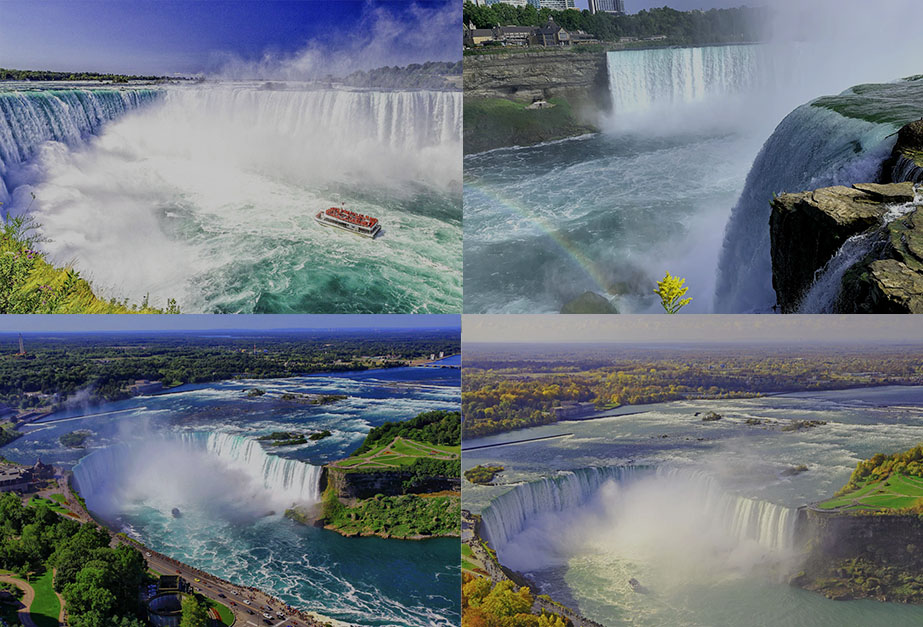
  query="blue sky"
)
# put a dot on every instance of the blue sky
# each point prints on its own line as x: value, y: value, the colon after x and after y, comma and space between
x: 192, y: 36
x: 91, y: 323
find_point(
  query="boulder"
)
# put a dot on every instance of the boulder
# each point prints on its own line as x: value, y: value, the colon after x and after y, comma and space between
x: 589, y: 303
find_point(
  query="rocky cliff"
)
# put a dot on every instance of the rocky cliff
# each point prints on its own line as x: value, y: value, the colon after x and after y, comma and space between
x: 853, y: 555
x: 807, y: 229
x: 539, y: 75
x: 500, y: 87
x: 353, y: 486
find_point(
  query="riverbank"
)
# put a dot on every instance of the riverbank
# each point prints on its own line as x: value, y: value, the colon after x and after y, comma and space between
x: 214, y: 588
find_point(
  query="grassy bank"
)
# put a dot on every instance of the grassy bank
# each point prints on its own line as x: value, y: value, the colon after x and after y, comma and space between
x: 30, y: 284
x: 46, y: 607
x: 497, y: 122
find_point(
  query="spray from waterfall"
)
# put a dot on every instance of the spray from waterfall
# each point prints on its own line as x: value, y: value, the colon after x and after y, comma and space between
x: 220, y: 474
x: 676, y: 518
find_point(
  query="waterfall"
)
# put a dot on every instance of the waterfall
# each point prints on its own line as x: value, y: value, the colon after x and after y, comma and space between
x: 30, y: 118
x: 907, y: 170
x: 821, y: 297
x: 398, y: 120
x: 812, y: 147
x: 771, y: 526
x: 641, y: 80
x: 289, y: 481
x: 508, y: 514
x: 298, y: 481
x: 836, y: 140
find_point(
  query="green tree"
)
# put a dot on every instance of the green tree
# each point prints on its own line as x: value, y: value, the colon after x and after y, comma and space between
x: 195, y: 614
x: 671, y: 291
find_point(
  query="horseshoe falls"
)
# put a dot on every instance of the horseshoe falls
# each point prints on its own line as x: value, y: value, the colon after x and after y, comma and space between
x: 207, y: 194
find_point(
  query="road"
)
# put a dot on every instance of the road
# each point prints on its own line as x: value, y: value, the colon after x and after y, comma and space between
x: 28, y: 596
x: 208, y: 585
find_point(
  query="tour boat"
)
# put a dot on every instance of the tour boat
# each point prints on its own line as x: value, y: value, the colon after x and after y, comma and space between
x: 363, y: 225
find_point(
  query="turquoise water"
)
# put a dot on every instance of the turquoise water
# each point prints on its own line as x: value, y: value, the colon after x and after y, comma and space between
x: 208, y: 196
x: 231, y: 492
x: 670, y: 530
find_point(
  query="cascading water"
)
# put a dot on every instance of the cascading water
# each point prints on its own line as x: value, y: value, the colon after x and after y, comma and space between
x: 30, y: 118
x: 509, y: 513
x: 296, y: 481
x: 641, y: 81
x: 831, y: 141
x: 743, y: 519
x: 287, y: 481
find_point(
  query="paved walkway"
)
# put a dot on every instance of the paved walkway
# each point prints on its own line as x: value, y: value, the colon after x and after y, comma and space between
x: 24, y: 617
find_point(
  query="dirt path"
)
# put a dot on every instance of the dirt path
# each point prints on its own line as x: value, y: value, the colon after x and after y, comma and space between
x: 29, y: 595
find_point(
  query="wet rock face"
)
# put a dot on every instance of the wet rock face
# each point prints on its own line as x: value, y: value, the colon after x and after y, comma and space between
x: 906, y: 160
x: 807, y: 229
x: 893, y: 282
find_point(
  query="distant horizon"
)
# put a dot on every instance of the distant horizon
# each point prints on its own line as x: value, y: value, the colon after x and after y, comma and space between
x: 688, y: 329
x: 218, y: 323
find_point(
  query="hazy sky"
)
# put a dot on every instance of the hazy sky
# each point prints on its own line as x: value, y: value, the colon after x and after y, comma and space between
x: 90, y: 323
x: 192, y: 36
x: 690, y: 328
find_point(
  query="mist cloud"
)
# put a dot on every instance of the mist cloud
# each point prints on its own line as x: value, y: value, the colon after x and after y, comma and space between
x: 383, y: 36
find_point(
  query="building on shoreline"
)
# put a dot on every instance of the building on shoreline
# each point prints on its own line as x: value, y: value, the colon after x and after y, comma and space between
x: 15, y: 478
x: 549, y: 35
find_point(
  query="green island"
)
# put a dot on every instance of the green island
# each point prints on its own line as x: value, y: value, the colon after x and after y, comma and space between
x: 864, y: 542
x: 74, y: 439
x: 483, y: 474
x: 292, y: 438
x: 401, y: 482
x: 30, y: 284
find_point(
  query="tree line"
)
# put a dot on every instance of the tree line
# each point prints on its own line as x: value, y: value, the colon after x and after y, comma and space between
x: 715, y: 26
x: 7, y: 74
x: 104, y: 364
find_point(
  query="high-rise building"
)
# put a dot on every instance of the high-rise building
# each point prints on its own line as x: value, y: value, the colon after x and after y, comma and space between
x: 515, y: 3
x: 557, y: 5
x: 607, y: 6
